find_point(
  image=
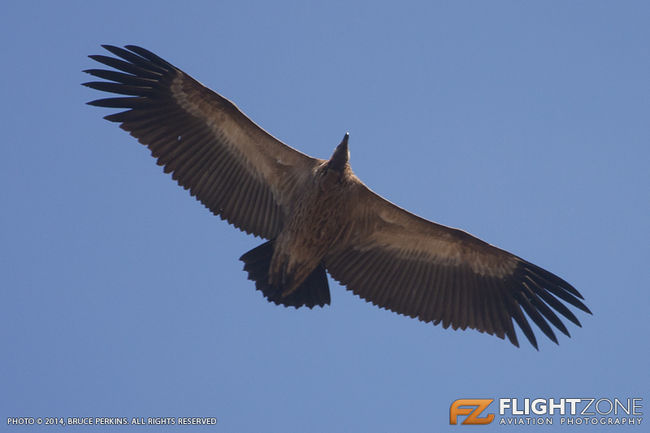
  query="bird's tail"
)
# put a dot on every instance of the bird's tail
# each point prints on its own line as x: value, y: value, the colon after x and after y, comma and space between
x: 313, y: 291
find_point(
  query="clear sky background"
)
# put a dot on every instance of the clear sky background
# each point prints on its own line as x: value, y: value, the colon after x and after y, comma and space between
x: 526, y: 124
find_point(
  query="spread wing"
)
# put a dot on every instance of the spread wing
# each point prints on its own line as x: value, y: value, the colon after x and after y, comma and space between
x: 412, y: 266
x: 235, y: 168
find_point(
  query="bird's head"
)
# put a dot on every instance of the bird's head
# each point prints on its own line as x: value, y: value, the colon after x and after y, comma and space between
x: 341, y: 156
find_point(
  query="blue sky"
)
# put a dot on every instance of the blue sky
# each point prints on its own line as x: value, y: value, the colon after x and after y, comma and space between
x: 524, y: 124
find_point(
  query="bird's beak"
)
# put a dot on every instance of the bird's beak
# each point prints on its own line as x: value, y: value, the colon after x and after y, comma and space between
x: 341, y: 155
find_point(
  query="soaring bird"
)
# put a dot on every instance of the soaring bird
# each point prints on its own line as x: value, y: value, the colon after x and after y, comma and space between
x: 319, y: 218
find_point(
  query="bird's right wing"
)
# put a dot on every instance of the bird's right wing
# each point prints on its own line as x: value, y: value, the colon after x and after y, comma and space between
x: 418, y: 268
x: 234, y: 167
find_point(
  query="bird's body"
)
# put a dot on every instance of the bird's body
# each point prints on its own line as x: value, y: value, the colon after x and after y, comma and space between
x: 313, y: 228
x: 319, y: 217
x: 316, y: 222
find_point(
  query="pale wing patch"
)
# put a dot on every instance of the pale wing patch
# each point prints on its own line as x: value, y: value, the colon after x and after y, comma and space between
x: 219, y: 123
x: 441, y: 247
x: 267, y: 158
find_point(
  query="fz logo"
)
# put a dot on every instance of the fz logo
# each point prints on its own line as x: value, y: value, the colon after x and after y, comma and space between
x: 471, y: 408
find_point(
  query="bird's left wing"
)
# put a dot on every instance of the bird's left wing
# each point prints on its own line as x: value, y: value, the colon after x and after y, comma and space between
x: 412, y: 266
x: 234, y: 167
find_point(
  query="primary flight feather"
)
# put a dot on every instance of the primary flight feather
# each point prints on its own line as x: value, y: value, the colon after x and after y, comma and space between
x: 319, y: 217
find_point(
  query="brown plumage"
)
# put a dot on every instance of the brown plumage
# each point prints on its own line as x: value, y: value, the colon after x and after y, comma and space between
x: 318, y: 216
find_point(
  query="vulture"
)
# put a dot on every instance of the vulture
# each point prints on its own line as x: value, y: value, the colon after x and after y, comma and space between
x: 319, y: 218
